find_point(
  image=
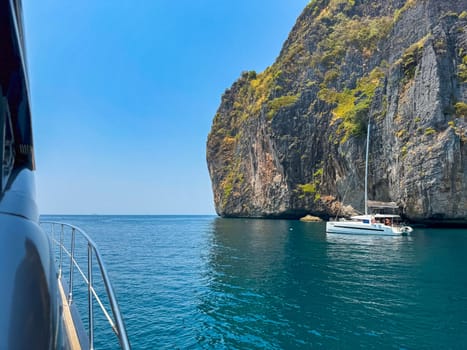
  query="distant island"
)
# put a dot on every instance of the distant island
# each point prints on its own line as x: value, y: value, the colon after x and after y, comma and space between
x: 290, y: 141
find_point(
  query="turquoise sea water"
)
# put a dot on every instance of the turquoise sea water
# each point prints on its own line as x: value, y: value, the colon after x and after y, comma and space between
x: 202, y: 282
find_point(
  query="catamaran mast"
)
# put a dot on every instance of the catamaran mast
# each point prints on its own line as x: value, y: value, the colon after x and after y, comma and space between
x: 366, y: 167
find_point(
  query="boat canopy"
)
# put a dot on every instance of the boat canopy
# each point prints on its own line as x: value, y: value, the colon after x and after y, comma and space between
x: 382, y: 205
x: 390, y: 216
x: 374, y: 216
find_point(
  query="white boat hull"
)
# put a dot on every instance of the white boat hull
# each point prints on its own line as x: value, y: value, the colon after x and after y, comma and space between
x: 360, y: 228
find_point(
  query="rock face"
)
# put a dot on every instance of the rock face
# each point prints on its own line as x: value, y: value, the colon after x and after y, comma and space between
x: 291, y: 140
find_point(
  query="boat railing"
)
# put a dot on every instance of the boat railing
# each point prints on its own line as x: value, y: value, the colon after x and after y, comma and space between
x: 64, y: 237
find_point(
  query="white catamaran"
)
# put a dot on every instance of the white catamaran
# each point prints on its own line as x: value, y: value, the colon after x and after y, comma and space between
x: 370, y: 224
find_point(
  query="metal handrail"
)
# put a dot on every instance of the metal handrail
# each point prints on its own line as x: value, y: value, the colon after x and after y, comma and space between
x: 116, y: 322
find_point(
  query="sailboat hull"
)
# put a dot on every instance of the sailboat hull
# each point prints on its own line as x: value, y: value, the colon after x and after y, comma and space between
x: 360, y: 228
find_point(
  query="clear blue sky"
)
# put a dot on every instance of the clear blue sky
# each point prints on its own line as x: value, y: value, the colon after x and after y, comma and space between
x: 124, y: 92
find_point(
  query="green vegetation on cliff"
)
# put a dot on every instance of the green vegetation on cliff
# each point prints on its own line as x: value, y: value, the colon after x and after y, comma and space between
x: 312, y: 188
x: 408, y: 4
x: 361, y: 34
x: 233, y: 178
x: 462, y: 68
x: 339, y: 34
x: 281, y: 102
x: 461, y: 109
x: 352, y: 105
x: 411, y: 58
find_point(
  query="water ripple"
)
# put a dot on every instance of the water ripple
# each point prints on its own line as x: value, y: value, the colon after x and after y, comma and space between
x: 209, y: 283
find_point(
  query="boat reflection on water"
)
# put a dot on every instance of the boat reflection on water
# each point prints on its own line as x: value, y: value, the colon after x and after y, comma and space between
x: 358, y: 259
x: 368, y: 240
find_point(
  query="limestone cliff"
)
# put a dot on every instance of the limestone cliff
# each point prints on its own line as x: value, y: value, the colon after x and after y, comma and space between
x: 291, y: 140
